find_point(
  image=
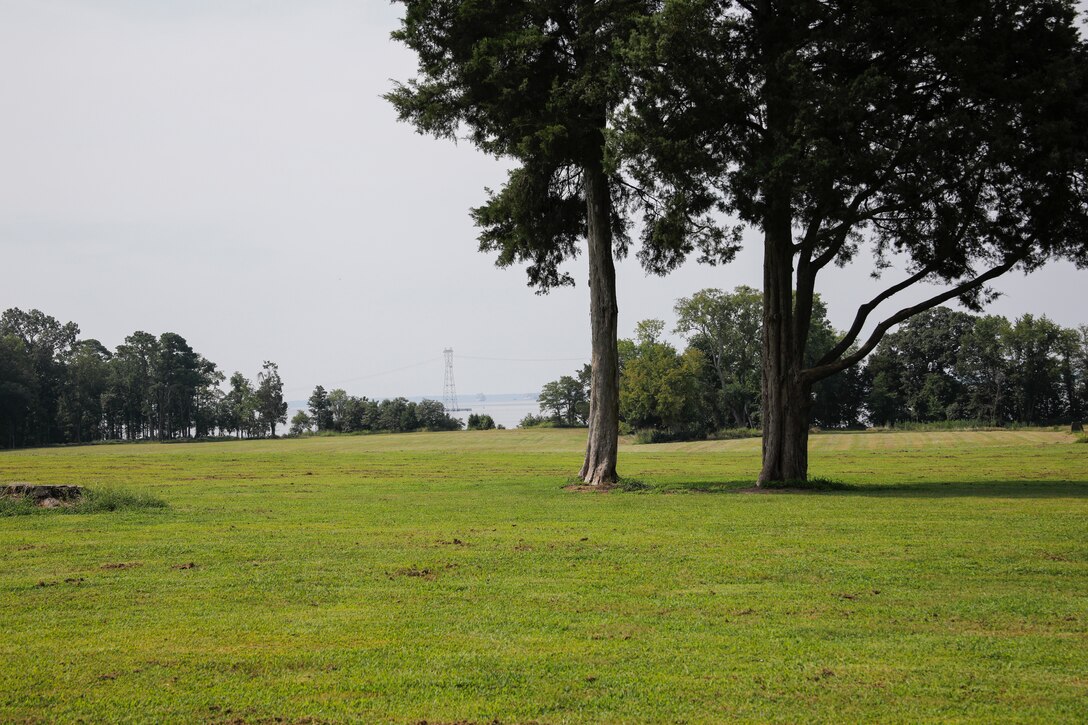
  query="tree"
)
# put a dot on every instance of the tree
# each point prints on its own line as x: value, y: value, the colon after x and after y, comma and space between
x: 240, y: 406
x: 481, y: 422
x: 538, y: 81
x: 1081, y: 370
x: 1033, y: 346
x: 301, y: 423
x: 432, y: 415
x: 659, y: 388
x: 924, y: 354
x: 175, y: 377
x: 86, y: 380
x: 320, y: 409
x: 207, y: 401
x: 129, y: 389
x: 17, y: 390
x: 48, y: 345
x: 271, y: 407
x: 726, y: 327
x: 982, y: 364
x: 565, y: 398
x: 949, y: 135
x: 339, y: 401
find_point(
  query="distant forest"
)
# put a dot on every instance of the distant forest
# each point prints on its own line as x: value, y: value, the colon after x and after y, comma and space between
x: 940, y: 366
x: 58, y: 388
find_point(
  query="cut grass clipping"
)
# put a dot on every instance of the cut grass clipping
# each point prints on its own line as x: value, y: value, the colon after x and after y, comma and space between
x: 93, y: 501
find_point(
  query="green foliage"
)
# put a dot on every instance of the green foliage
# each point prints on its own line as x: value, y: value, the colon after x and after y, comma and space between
x: 320, y: 409
x: 567, y: 399
x: 921, y: 358
x: 733, y: 434
x: 301, y: 423
x: 644, y: 436
x: 659, y: 389
x: 946, y: 136
x: 727, y: 329
x: 538, y: 421
x: 271, y: 407
x: 481, y: 422
x: 535, y: 81
x: 950, y: 366
x: 432, y: 416
x: 57, y: 388
x: 339, y: 412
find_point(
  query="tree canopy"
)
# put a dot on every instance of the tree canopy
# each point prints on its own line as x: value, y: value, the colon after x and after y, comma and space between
x: 540, y: 82
x: 946, y: 137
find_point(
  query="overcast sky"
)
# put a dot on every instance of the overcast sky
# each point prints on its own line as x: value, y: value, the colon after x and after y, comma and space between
x: 228, y: 170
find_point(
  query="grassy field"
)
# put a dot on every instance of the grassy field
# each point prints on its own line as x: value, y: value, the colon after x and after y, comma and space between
x: 449, y: 577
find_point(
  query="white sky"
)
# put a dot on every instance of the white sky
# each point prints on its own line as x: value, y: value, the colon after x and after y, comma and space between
x: 227, y: 170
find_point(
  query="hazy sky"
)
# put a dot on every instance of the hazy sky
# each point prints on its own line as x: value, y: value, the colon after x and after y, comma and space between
x: 228, y: 170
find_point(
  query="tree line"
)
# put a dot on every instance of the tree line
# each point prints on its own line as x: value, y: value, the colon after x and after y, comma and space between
x: 946, y: 135
x: 57, y: 388
x: 336, y: 411
x: 941, y: 365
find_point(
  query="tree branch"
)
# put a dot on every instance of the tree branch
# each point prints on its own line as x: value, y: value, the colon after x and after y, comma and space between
x: 821, y: 371
x: 863, y: 314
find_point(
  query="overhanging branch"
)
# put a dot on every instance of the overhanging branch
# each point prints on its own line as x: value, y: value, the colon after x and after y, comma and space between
x: 824, y: 370
x: 863, y: 314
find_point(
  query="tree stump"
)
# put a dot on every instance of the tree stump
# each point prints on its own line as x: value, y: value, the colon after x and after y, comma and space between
x: 43, y: 494
x: 1078, y: 427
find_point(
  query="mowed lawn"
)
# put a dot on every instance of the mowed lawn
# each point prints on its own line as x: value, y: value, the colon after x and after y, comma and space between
x: 450, y: 577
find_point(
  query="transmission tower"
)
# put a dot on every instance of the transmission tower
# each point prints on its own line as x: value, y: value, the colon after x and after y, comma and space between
x: 449, y: 388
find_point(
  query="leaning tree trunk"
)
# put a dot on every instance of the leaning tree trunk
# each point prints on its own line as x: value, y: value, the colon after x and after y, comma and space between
x: 786, y: 401
x: 599, y: 468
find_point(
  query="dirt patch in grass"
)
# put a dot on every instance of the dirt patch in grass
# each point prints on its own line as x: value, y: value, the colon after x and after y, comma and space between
x: 92, y: 501
x: 415, y: 572
x: 123, y: 565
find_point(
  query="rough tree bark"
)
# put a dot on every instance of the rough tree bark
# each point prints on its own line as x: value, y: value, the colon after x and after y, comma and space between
x: 785, y: 400
x: 599, y: 468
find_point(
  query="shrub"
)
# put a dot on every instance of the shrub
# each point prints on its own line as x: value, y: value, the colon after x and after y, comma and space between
x: 654, y: 435
x: 732, y: 434
x: 481, y: 422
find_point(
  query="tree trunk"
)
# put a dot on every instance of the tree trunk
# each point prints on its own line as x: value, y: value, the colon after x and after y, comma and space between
x: 599, y: 468
x: 786, y: 400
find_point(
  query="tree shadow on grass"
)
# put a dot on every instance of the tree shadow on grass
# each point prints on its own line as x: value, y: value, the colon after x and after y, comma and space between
x: 923, y: 489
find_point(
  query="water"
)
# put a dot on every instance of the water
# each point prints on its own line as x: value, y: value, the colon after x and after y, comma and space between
x: 506, y: 410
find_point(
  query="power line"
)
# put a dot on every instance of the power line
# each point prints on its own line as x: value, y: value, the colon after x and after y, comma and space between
x: 522, y: 359
x: 431, y: 361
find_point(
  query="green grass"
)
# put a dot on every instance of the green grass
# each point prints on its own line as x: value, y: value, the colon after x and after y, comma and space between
x: 450, y: 577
